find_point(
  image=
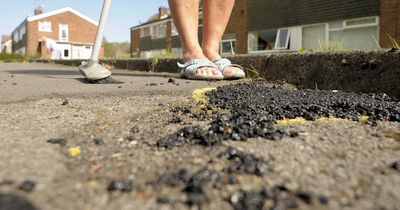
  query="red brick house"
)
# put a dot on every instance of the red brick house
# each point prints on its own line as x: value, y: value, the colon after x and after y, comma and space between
x: 73, y: 31
x: 5, y: 44
x: 259, y: 26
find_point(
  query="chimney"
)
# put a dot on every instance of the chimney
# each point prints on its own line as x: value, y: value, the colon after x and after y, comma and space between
x: 38, y: 10
x: 163, y: 12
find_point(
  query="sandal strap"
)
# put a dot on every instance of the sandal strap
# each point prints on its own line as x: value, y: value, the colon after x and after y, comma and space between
x: 224, y: 63
x: 194, y: 64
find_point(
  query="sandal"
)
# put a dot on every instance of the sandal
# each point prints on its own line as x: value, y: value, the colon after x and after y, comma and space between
x: 224, y: 63
x: 189, y: 69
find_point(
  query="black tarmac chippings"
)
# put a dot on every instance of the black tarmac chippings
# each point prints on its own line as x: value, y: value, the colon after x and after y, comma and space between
x: 15, y: 202
x: 98, y: 142
x: 120, y: 185
x: 245, y: 163
x: 194, y: 184
x: 65, y: 102
x: 27, y: 186
x: 61, y: 142
x: 280, y: 197
x: 395, y: 166
x: 255, y: 108
x: 257, y: 99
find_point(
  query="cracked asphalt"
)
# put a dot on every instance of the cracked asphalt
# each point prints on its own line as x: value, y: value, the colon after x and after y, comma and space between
x: 67, y: 144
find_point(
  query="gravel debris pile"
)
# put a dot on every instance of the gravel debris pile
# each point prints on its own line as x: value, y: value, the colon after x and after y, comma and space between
x: 256, y: 100
x: 15, y: 202
x: 245, y: 163
x: 195, y: 183
x: 255, y: 108
x: 239, y: 163
x: 280, y: 197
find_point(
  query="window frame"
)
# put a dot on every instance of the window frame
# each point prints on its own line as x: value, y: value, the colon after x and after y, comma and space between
x: 62, y: 39
x: 156, y: 30
x: 278, y: 37
x: 21, y: 32
x: 174, y: 30
x: 142, y: 31
x: 250, y: 51
x: 232, y: 52
x: 15, y: 36
x: 42, y: 26
x: 345, y: 26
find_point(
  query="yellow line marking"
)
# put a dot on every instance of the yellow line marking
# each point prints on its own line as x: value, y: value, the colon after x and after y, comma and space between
x: 300, y: 120
x: 296, y: 120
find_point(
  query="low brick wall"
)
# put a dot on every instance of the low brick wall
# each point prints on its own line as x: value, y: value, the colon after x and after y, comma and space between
x: 360, y: 71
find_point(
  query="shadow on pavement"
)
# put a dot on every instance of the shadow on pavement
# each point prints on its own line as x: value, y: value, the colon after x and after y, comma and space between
x: 51, y: 73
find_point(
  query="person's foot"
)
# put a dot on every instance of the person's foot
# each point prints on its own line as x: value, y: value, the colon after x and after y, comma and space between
x: 229, y: 71
x: 203, y: 71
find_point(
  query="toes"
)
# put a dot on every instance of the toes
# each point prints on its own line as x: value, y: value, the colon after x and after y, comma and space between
x: 201, y: 71
x: 208, y: 71
x: 216, y: 72
x: 233, y: 70
x: 211, y: 71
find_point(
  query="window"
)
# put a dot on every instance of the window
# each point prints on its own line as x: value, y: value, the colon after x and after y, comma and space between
x: 22, y: 32
x: 358, y: 33
x: 63, y: 32
x: 313, y: 36
x: 361, y: 22
x: 354, y: 34
x: 66, y: 53
x: 15, y: 36
x: 263, y: 40
x: 174, y: 31
x: 145, y: 32
x: 45, y: 26
x: 159, y: 31
x: 21, y: 50
x: 228, y: 44
x: 282, y: 40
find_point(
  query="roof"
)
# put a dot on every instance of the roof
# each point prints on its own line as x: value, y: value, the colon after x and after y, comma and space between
x: 153, y: 22
x: 59, y: 11
x: 5, y: 38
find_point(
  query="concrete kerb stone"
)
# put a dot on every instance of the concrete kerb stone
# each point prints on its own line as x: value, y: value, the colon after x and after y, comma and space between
x: 375, y: 71
x: 359, y: 71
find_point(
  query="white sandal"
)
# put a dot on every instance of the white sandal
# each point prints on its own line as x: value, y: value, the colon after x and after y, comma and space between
x: 224, y: 63
x: 189, y: 69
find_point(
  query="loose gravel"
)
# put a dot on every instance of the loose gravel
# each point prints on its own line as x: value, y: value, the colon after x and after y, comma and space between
x: 255, y: 108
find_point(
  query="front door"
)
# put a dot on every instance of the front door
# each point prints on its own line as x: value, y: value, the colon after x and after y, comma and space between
x: 65, y: 51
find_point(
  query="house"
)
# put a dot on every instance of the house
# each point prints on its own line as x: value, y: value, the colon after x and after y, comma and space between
x: 157, y: 35
x: 73, y: 31
x: 6, y: 44
x: 277, y: 25
x: 259, y: 26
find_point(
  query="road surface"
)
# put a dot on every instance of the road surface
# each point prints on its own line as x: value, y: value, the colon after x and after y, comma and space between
x: 68, y: 144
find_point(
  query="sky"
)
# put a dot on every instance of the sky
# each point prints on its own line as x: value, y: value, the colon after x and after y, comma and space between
x: 123, y: 14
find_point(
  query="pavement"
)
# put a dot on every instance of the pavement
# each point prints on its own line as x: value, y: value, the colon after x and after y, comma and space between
x: 69, y: 144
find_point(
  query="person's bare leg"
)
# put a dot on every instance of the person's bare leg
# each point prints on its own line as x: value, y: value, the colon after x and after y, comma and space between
x: 216, y: 14
x: 185, y: 14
